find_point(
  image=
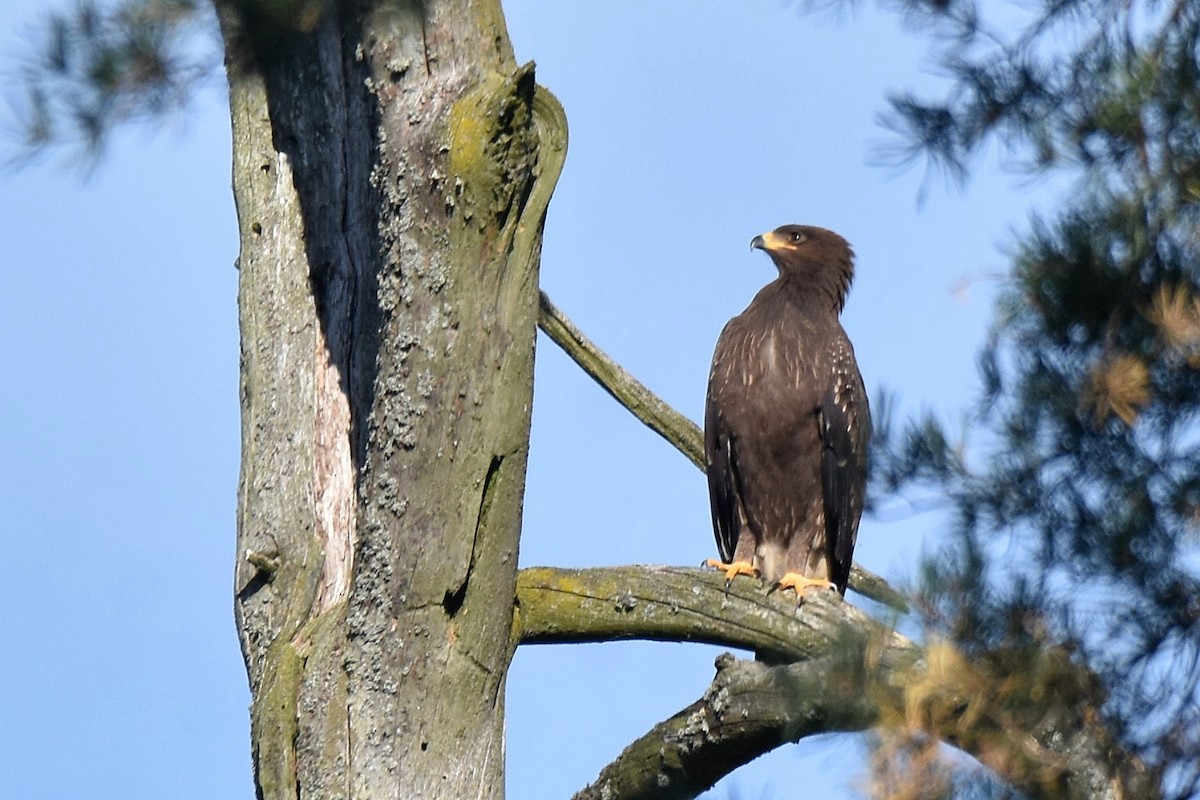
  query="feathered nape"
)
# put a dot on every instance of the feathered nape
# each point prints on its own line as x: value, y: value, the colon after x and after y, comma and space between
x: 825, y: 273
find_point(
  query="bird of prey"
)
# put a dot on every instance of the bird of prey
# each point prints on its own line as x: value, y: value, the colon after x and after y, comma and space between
x: 786, y: 422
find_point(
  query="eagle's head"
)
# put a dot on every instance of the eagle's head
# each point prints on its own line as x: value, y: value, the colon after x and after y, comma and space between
x: 813, y: 259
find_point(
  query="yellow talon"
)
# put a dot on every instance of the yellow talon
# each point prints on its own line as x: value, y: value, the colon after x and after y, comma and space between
x: 733, y: 569
x: 802, y: 584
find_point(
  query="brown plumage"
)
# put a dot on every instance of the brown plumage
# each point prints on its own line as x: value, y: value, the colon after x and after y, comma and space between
x: 786, y: 422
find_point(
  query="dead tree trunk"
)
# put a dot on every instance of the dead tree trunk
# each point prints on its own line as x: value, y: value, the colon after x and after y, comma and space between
x: 392, y: 169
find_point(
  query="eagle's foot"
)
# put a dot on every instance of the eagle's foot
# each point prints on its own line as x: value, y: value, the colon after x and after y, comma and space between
x: 802, y: 584
x: 732, y: 569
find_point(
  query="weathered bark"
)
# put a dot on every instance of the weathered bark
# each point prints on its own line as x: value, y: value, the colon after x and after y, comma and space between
x: 392, y: 168
x: 748, y: 709
x: 677, y: 604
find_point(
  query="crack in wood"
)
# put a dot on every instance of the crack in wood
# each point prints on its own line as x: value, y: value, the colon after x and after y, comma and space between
x: 455, y: 596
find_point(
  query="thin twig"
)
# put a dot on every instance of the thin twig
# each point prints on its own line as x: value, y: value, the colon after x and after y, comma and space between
x: 668, y: 423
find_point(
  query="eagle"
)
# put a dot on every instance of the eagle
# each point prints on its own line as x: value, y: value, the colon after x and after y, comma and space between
x: 786, y: 422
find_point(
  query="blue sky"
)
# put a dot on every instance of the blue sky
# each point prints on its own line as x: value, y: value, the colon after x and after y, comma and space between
x: 694, y: 126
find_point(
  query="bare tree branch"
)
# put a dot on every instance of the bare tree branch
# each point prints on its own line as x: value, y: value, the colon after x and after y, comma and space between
x: 678, y: 604
x: 741, y: 716
x: 681, y: 432
x: 1041, y: 732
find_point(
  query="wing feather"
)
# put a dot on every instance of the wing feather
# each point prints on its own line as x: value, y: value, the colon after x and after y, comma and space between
x: 842, y: 418
x: 723, y: 491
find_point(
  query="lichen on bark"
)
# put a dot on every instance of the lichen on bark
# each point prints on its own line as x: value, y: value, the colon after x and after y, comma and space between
x: 392, y: 171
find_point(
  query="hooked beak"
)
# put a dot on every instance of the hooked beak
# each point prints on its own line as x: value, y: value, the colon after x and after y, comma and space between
x: 768, y: 241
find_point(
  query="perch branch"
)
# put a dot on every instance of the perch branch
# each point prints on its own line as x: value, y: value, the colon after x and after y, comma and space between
x: 1041, y: 731
x: 683, y: 434
x: 561, y: 606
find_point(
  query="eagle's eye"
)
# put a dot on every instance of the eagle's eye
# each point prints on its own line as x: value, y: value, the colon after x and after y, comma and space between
x: 798, y: 237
